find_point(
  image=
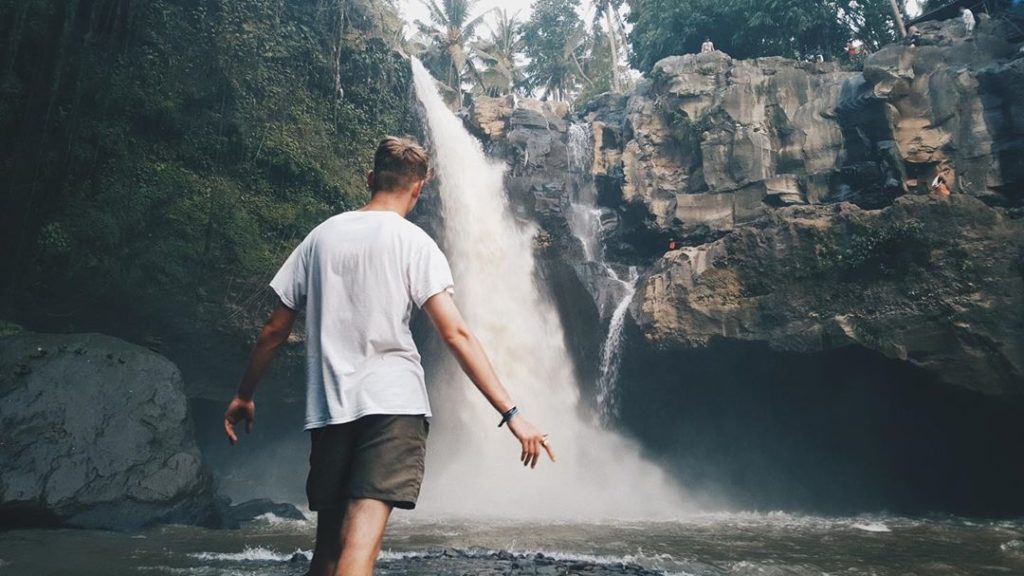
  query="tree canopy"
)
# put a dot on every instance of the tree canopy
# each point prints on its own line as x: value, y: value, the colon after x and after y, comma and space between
x: 753, y: 28
x: 556, y: 42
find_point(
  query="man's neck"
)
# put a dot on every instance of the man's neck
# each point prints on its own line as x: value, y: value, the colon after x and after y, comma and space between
x: 385, y: 202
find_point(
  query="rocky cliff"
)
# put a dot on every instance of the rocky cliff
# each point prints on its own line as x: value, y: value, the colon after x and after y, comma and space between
x: 798, y: 195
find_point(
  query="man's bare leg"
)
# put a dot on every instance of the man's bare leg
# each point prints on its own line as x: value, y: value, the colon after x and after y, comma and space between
x: 328, y: 543
x: 362, y: 530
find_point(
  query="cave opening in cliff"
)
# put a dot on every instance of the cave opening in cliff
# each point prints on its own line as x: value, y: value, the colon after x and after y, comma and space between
x: 842, y: 431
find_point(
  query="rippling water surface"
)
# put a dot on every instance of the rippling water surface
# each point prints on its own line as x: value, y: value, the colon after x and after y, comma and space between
x: 740, y: 544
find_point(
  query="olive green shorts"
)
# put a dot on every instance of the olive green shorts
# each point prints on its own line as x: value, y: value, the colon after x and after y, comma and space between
x: 377, y: 456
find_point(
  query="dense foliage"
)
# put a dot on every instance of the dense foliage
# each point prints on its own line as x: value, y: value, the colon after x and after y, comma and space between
x: 555, y: 40
x: 161, y: 158
x: 752, y: 28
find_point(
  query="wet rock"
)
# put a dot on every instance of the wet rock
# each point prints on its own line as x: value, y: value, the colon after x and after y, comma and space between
x: 90, y: 442
x: 251, y: 509
x: 937, y: 283
x: 479, y: 562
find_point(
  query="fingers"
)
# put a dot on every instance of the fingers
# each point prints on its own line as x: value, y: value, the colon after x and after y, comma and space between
x: 229, y: 429
x: 249, y: 421
x: 536, y: 453
x: 551, y: 453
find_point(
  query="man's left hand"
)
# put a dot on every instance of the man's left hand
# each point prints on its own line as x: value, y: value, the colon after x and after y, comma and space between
x: 238, y: 410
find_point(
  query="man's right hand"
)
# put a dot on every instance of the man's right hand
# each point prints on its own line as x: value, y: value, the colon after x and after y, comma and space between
x: 531, y: 439
x: 239, y: 409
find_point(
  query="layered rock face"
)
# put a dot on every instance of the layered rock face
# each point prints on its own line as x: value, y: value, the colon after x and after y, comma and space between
x: 937, y: 283
x: 96, y: 434
x: 710, y: 143
x: 799, y: 193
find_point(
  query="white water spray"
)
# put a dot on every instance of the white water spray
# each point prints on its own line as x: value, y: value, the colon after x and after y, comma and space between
x: 473, y: 466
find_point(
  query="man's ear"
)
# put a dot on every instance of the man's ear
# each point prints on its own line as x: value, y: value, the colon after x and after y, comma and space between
x: 417, y: 189
x: 369, y: 179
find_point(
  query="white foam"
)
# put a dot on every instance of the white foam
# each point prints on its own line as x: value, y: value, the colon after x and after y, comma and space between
x: 271, y: 519
x: 250, y: 554
x: 1013, y: 546
x: 871, y: 527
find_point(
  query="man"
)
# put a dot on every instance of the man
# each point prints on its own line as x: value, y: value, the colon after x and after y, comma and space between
x: 707, y: 46
x: 968, y: 17
x: 357, y: 276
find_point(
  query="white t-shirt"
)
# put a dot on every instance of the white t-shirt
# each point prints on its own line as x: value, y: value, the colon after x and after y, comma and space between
x: 357, y: 275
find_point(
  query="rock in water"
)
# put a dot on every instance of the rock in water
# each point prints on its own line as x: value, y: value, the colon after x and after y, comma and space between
x: 251, y: 509
x: 96, y: 434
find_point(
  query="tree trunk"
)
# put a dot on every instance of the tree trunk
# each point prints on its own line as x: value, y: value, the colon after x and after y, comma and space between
x: 899, y: 18
x: 613, y: 44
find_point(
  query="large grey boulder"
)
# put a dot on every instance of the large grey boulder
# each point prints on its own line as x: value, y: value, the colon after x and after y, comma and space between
x: 95, y: 433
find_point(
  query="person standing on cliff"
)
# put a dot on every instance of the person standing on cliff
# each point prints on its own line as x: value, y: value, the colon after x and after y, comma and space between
x: 707, y: 46
x: 968, y: 18
x: 357, y: 276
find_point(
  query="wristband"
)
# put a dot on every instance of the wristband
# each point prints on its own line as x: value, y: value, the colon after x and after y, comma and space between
x: 508, y: 415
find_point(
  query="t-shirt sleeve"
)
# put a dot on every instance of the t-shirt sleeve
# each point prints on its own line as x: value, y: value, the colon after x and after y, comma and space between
x: 429, y: 274
x: 290, y: 282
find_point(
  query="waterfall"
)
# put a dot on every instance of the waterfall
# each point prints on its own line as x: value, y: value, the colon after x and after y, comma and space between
x: 585, y: 222
x: 472, y: 465
x: 607, y: 393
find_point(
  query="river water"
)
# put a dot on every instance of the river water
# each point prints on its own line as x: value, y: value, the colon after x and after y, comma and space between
x: 704, y: 544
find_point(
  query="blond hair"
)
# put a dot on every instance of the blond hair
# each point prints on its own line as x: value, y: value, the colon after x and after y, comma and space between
x: 398, y: 163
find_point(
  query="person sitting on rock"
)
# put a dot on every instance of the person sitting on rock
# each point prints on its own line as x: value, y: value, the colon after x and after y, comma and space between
x: 913, y: 37
x: 939, y: 187
x: 672, y: 244
x: 707, y: 46
x: 968, y: 17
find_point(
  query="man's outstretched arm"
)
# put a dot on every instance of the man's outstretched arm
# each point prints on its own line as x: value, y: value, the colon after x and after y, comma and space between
x: 471, y: 356
x: 274, y: 333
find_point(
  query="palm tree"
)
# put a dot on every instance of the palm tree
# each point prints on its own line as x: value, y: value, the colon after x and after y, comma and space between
x: 559, y: 74
x: 500, y: 72
x: 448, y: 31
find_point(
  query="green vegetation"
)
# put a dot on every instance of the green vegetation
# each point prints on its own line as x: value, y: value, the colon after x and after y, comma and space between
x: 879, y: 253
x: 444, y: 48
x: 500, y: 72
x: 753, y: 28
x: 161, y: 158
x: 556, y: 41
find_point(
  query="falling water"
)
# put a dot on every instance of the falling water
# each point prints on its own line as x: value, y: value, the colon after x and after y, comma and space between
x: 607, y: 392
x: 585, y: 222
x: 473, y: 467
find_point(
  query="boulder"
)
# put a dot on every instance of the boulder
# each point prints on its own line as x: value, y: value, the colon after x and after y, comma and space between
x: 938, y: 283
x: 96, y: 434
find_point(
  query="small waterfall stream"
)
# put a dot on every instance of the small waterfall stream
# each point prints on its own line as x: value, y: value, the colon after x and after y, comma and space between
x: 472, y: 466
x: 607, y: 391
x: 585, y: 222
